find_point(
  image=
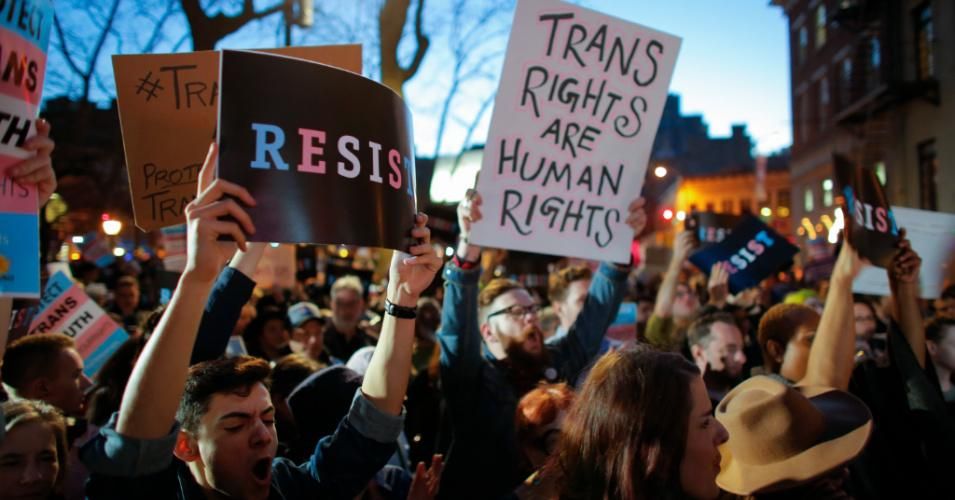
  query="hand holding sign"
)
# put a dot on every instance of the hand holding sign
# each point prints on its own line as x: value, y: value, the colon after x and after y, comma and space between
x: 206, y: 254
x: 906, y: 264
x: 411, y: 274
x: 847, y: 267
x: 684, y: 244
x: 38, y: 170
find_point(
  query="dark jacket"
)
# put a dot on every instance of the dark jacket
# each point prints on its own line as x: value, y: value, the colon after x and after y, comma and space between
x: 484, y: 460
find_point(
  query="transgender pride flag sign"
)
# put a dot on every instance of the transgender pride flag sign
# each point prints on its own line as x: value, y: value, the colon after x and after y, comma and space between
x: 65, y: 308
x: 24, y: 35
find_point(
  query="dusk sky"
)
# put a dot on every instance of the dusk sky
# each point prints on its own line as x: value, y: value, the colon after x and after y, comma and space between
x: 733, y: 66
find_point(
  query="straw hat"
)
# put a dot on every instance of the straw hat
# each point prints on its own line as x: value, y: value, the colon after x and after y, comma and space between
x: 781, y: 436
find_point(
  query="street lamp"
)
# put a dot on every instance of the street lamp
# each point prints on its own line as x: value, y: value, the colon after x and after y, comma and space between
x: 660, y: 171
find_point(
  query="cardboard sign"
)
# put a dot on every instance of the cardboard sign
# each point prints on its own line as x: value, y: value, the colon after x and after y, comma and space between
x: 711, y: 227
x: 167, y: 109
x: 65, y: 308
x: 327, y: 154
x: 580, y: 99
x: 752, y: 253
x: 933, y: 237
x: 276, y: 268
x: 872, y: 229
x: 24, y: 37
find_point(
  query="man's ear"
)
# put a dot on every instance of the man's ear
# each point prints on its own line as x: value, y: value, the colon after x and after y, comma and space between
x: 776, y: 350
x: 932, y: 347
x: 486, y: 332
x: 187, y: 448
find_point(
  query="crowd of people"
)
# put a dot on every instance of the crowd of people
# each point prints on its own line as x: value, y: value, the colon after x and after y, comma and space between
x: 488, y: 389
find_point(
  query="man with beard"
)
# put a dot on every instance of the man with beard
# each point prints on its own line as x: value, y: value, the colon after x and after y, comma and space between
x: 217, y: 418
x: 483, y: 385
x: 716, y: 345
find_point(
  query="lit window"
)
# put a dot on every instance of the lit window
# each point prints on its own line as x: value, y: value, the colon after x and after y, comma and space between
x: 823, y: 102
x: 808, y: 201
x: 827, y: 192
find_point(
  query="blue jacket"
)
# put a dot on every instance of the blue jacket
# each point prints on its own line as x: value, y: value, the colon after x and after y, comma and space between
x: 340, y: 467
x: 484, y: 460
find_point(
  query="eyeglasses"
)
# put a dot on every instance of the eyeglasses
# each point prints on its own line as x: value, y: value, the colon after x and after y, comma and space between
x: 516, y: 311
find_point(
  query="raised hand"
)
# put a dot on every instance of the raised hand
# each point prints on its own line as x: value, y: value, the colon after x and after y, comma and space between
x: 38, y: 170
x: 637, y: 216
x: 848, y: 265
x: 718, y: 284
x: 469, y: 212
x: 906, y: 264
x: 684, y: 244
x: 411, y: 274
x: 206, y: 254
x: 425, y: 483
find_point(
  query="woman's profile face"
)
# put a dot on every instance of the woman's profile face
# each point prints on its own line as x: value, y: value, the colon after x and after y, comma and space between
x: 701, y: 457
x: 28, y: 462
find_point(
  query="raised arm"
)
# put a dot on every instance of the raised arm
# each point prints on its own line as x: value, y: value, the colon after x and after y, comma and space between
x: 660, y: 328
x: 231, y: 291
x: 459, y: 334
x: 155, y: 387
x: 578, y: 348
x: 904, y: 280
x: 386, y: 380
x: 831, y: 355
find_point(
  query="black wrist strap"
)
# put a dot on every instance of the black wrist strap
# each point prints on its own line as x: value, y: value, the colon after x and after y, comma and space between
x: 400, y: 311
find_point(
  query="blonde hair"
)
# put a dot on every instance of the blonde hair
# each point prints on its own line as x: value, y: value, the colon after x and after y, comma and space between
x: 350, y: 282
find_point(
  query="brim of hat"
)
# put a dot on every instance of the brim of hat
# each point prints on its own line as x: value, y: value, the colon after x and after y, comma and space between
x: 848, y: 427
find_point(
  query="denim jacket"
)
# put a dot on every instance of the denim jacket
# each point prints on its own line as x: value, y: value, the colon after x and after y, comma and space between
x: 484, y: 460
x: 340, y: 467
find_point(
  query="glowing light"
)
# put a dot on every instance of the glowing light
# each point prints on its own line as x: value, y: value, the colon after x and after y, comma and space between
x: 827, y: 221
x: 765, y: 211
x: 681, y: 215
x: 667, y: 214
x: 274, y: 245
x: 660, y: 171
x: 119, y: 251
x: 112, y: 227
x: 343, y: 252
x: 827, y: 184
x: 79, y: 240
x: 448, y: 251
x: 782, y: 211
x: 811, y: 231
x: 75, y: 256
x: 837, y: 226
x: 801, y: 231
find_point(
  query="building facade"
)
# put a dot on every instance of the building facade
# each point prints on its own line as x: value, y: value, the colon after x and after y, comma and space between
x: 873, y: 80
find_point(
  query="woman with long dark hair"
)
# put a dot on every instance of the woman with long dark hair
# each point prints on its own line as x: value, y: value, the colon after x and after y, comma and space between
x: 642, y: 427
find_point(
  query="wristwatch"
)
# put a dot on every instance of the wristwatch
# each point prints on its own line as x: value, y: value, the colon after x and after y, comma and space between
x: 400, y: 311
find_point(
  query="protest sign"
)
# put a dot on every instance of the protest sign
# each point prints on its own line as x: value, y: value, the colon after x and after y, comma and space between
x: 167, y: 109
x: 623, y: 330
x: 174, y: 248
x: 752, y: 252
x: 24, y: 37
x: 933, y: 237
x: 579, y: 102
x: 276, y: 267
x: 871, y: 226
x: 65, y: 308
x: 711, y: 227
x: 327, y: 154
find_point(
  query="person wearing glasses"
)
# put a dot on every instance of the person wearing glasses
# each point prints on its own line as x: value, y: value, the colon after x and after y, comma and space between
x: 493, y: 352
